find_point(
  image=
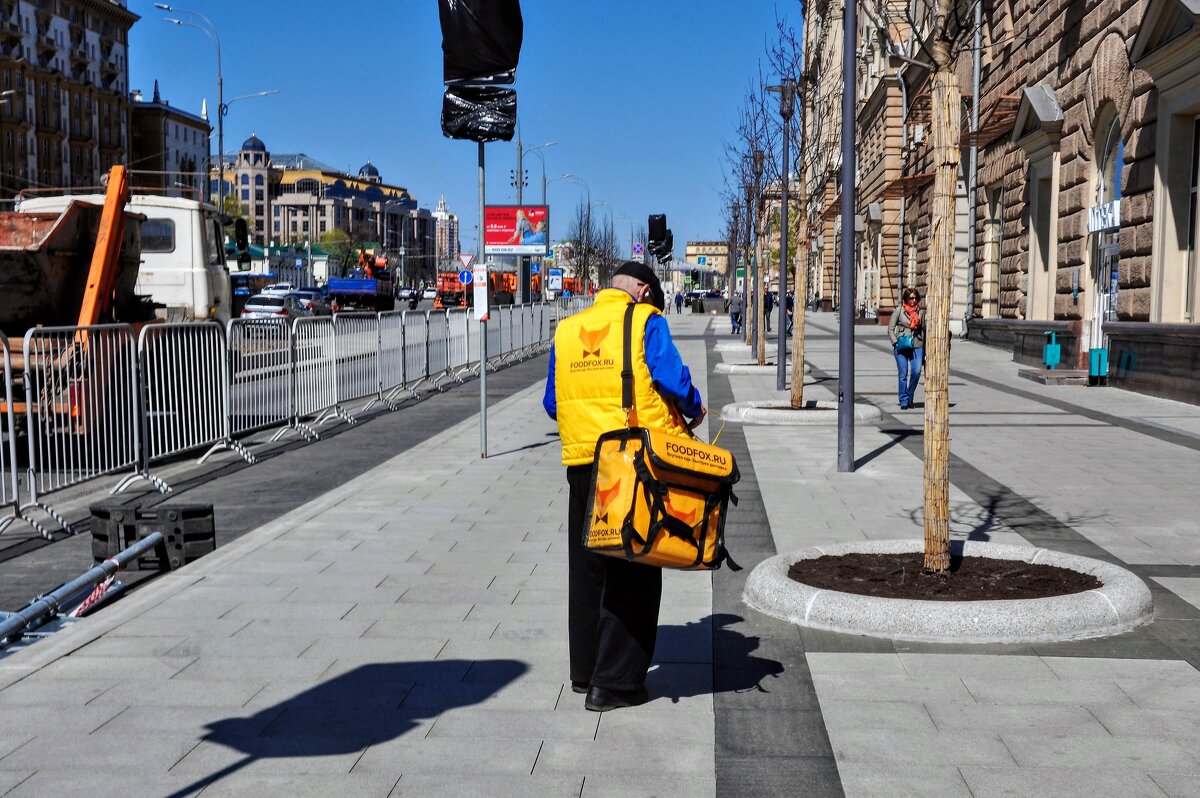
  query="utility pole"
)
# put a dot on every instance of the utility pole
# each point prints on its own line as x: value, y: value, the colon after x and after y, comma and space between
x: 846, y: 265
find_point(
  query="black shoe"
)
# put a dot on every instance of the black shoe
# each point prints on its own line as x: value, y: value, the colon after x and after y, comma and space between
x: 579, y: 687
x: 903, y: 407
x: 601, y: 700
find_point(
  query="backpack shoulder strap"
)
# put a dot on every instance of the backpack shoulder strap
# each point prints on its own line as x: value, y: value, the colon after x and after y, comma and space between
x: 627, y: 364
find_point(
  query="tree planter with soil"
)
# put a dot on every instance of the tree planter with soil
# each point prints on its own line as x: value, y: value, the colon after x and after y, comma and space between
x: 880, y: 589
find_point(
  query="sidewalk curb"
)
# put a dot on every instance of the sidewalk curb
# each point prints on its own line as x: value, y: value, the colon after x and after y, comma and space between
x: 778, y: 412
x: 1123, y: 603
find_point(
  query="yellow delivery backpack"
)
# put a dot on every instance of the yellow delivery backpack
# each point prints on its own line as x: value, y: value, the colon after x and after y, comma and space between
x: 656, y: 498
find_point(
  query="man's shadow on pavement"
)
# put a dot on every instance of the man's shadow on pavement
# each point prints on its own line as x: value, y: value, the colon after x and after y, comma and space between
x: 367, y: 705
x: 708, y: 656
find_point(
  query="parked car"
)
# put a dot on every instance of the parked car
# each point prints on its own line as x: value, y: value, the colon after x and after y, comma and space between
x: 405, y: 293
x: 278, y: 289
x: 429, y: 293
x: 261, y: 306
x: 313, y: 300
x: 691, y: 296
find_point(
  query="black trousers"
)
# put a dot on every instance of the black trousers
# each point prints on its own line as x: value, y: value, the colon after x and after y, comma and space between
x: 612, y: 606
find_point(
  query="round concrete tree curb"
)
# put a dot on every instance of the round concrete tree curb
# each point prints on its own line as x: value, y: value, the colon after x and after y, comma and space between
x: 1121, y: 604
x: 733, y: 346
x: 779, y: 412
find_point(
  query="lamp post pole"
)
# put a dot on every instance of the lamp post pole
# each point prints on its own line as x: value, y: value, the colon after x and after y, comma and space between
x: 756, y: 168
x: 211, y: 30
x: 846, y: 288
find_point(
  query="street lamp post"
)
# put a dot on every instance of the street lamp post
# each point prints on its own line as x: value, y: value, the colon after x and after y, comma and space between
x: 211, y: 31
x: 572, y: 178
x: 523, y: 276
x: 787, y: 97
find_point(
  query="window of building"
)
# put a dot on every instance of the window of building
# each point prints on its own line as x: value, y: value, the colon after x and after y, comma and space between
x: 245, y: 181
x: 258, y: 180
x: 245, y: 195
x: 258, y: 194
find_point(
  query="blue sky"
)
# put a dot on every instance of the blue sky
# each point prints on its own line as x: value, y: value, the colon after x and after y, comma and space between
x: 640, y: 95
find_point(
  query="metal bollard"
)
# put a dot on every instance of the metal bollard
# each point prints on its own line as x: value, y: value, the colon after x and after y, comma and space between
x: 1051, y: 351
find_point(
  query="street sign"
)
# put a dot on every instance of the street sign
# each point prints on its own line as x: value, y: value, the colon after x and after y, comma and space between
x: 554, y: 280
x: 535, y: 268
x: 465, y: 277
x: 480, y: 285
x: 702, y: 260
x: 638, y: 248
x: 466, y: 259
x: 550, y: 254
x: 741, y: 272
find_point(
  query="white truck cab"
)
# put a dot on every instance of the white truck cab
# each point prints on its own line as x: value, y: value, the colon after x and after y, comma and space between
x: 183, y: 253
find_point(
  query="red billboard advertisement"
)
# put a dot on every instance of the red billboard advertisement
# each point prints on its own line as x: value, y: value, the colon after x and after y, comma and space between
x: 516, y: 229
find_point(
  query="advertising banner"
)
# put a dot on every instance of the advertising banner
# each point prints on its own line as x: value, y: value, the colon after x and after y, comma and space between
x: 516, y: 229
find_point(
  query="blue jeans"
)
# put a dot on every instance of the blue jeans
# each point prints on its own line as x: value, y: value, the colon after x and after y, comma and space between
x: 908, y: 366
x: 735, y: 321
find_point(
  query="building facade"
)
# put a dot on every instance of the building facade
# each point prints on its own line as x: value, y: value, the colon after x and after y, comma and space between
x: 1076, y: 210
x: 711, y: 259
x: 64, y: 79
x: 446, y: 229
x: 168, y: 147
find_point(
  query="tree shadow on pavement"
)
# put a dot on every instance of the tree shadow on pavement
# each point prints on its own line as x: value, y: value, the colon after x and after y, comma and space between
x: 370, y: 704
x: 708, y: 656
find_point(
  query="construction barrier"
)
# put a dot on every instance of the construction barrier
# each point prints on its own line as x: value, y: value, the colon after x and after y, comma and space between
x: 314, y: 366
x: 81, y: 408
x: 183, y: 371
x: 356, y: 349
x: 99, y: 400
x: 438, y: 332
x: 391, y: 353
x: 9, y: 493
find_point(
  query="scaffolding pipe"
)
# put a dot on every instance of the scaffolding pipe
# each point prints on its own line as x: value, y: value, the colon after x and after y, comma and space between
x: 48, y: 606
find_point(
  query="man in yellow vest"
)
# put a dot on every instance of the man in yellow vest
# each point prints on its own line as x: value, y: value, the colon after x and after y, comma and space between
x: 613, y: 603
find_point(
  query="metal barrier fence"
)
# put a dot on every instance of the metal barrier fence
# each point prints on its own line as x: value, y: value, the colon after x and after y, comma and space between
x: 9, y: 494
x: 98, y: 400
x: 314, y: 364
x: 80, y: 409
x: 356, y: 349
x: 183, y: 369
x: 438, y: 336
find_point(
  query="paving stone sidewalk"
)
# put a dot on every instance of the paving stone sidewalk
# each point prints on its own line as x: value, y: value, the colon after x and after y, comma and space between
x: 404, y: 634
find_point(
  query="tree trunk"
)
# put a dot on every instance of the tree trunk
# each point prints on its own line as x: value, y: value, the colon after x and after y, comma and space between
x: 947, y: 103
x: 800, y: 286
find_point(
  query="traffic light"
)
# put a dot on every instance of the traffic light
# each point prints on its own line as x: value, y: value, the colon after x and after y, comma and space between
x: 696, y: 276
x: 661, y: 242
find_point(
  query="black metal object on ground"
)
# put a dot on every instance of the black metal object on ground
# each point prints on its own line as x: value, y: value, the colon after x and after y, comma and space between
x: 188, y: 532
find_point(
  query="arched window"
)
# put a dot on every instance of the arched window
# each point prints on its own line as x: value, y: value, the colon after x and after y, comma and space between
x: 245, y: 180
x: 1111, y: 163
x: 258, y: 180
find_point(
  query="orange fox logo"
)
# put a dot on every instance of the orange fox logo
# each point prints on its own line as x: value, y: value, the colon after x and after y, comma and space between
x: 591, y: 339
x: 690, y: 516
x: 604, y: 497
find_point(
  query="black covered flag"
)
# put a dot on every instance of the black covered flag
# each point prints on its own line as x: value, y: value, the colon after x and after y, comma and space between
x: 479, y: 113
x: 481, y: 40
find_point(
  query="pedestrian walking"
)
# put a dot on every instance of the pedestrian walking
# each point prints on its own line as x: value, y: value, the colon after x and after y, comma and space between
x: 736, y: 306
x: 768, y: 304
x: 679, y: 302
x: 791, y: 311
x: 906, y: 329
x: 612, y: 603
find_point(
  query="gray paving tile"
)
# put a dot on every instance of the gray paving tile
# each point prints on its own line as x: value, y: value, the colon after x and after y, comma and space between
x: 1177, y: 785
x: 255, y: 756
x: 11, y: 778
x: 513, y: 724
x: 418, y: 785
x: 35, y: 691
x: 976, y: 666
x: 1109, y: 669
x: 644, y: 786
x: 100, y: 751
x: 859, y: 687
x: 919, y: 748
x: 644, y: 725
x: 1076, y: 691
x: 897, y: 716
x: 1060, y: 718
x: 413, y: 756
x: 210, y: 692
x: 597, y: 758
x: 1162, y: 693
x: 1141, y: 754
x: 104, y: 783
x: 871, y: 780
x: 1061, y: 782
x: 1139, y: 722
x: 308, y: 785
x: 193, y: 720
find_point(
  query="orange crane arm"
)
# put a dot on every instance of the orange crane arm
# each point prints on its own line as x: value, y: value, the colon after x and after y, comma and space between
x: 102, y: 275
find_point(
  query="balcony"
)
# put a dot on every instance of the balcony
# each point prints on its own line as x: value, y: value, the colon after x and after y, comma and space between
x: 78, y: 54
x: 82, y: 132
x: 45, y: 44
x: 10, y: 30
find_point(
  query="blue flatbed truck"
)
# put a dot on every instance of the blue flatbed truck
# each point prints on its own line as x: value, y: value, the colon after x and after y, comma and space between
x: 362, y: 293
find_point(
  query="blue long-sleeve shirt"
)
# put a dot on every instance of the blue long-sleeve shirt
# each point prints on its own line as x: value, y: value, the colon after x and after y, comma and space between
x: 671, y: 377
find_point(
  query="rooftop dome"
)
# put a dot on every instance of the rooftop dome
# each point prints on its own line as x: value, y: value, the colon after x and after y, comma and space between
x: 368, y: 170
x: 253, y: 144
